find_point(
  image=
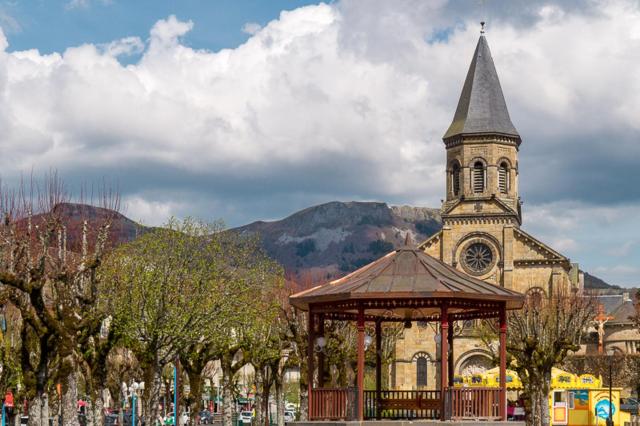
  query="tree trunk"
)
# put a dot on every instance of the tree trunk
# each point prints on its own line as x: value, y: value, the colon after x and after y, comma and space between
x: 70, y: 401
x: 227, y: 394
x: 39, y: 410
x: 151, y: 394
x: 266, y: 390
x: 95, y: 410
x: 304, y: 402
x: 279, y: 399
x: 195, y: 385
x: 89, y: 413
x: 259, y: 383
x: 537, y: 401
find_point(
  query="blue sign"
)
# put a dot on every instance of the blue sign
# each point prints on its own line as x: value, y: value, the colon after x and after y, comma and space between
x: 602, y: 409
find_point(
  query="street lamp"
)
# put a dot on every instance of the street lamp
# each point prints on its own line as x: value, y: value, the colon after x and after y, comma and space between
x: 367, y: 341
x: 134, y: 387
x: 610, y: 353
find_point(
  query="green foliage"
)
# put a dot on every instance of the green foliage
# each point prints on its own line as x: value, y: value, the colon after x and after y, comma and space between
x: 378, y: 247
x: 305, y: 247
x: 188, y: 289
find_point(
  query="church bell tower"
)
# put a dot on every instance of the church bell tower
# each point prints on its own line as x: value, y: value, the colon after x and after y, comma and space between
x: 482, y: 148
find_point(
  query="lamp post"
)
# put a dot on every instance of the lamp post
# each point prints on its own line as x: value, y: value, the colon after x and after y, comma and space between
x: 134, y: 387
x: 610, y: 353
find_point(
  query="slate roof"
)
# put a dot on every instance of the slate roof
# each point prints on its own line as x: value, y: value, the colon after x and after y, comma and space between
x: 481, y: 108
x: 622, y: 313
x: 407, y: 273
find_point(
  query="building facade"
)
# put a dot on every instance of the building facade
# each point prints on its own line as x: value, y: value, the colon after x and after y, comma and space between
x: 481, y: 233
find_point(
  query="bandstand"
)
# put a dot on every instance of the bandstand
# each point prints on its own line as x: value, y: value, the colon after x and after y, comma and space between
x: 405, y: 285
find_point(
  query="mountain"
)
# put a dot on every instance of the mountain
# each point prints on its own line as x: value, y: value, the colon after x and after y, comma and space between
x: 592, y: 282
x: 322, y: 241
x: 73, y: 215
x: 335, y: 238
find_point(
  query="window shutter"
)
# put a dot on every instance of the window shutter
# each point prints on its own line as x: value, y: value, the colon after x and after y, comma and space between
x: 503, y: 178
x: 478, y: 177
x: 456, y: 179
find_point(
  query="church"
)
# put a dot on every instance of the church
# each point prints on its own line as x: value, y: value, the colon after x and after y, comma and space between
x: 481, y: 233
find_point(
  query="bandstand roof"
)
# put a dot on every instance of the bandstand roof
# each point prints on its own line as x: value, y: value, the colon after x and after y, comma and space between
x: 408, y: 284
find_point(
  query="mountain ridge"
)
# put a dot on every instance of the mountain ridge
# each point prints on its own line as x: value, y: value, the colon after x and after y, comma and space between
x: 319, y: 242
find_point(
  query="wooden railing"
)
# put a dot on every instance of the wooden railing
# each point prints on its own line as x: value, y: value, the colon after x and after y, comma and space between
x: 333, y: 404
x: 472, y: 403
x: 396, y: 404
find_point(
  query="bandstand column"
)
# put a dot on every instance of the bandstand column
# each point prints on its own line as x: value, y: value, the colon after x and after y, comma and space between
x: 310, y: 343
x: 321, y: 353
x: 360, y: 376
x: 378, y: 366
x: 444, y: 358
x: 450, y: 357
x: 503, y: 362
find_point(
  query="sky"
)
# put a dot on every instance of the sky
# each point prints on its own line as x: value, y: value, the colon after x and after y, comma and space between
x: 246, y: 110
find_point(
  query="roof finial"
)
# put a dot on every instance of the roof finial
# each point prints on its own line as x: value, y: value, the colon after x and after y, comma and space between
x: 408, y: 240
x: 482, y: 27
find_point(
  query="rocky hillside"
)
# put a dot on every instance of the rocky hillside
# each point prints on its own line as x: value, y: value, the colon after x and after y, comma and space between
x: 122, y: 231
x: 335, y: 238
x: 322, y: 241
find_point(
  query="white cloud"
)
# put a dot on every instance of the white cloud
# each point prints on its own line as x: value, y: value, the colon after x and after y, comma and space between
x: 251, y: 28
x: 335, y: 101
x: 126, y: 46
x: 8, y: 23
x: 84, y: 4
x: 597, y: 237
x: 149, y: 213
x: 77, y: 4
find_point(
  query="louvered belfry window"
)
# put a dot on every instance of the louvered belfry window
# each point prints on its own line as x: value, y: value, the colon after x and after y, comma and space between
x: 421, y: 371
x: 455, y: 178
x: 503, y: 178
x: 478, y: 177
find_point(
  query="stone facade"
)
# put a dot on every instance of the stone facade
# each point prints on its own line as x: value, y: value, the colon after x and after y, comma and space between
x: 481, y: 232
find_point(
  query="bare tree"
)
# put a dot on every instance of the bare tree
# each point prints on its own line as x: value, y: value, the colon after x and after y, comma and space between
x: 52, y: 283
x: 540, y: 336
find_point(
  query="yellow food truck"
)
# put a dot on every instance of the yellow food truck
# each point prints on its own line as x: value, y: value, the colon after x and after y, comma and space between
x: 574, y: 400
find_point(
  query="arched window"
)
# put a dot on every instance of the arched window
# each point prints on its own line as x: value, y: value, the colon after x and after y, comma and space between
x: 503, y: 177
x: 421, y: 371
x: 478, y: 177
x: 455, y: 178
x: 535, y: 297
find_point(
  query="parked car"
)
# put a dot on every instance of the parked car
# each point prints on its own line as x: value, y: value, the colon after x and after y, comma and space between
x: 630, y: 405
x: 245, y: 417
x: 289, y: 416
x: 111, y: 419
x: 206, y: 417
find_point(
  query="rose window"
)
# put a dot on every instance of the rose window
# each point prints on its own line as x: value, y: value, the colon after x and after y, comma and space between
x: 478, y: 258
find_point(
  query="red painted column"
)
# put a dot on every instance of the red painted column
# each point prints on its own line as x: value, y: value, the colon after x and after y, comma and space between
x: 503, y: 362
x: 444, y: 358
x: 378, y: 366
x: 310, y: 343
x: 321, y: 353
x: 450, y: 357
x: 360, y: 377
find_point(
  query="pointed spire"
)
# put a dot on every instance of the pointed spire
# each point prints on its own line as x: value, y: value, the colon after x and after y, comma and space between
x: 408, y: 241
x: 482, y: 108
